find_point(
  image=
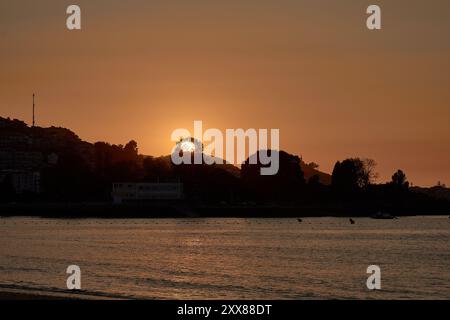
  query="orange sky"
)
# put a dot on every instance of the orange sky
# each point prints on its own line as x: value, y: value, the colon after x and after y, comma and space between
x: 140, y: 69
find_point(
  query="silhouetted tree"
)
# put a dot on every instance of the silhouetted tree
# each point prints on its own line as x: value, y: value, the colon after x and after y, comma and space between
x: 353, y: 174
x: 400, y: 181
x: 286, y: 185
x: 131, y: 150
x: 156, y: 169
x: 313, y: 165
x: 369, y: 171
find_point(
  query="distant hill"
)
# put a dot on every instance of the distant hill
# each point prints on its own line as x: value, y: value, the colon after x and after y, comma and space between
x: 54, y: 165
x: 311, y: 170
x: 235, y: 171
x: 436, y: 192
x: 16, y: 135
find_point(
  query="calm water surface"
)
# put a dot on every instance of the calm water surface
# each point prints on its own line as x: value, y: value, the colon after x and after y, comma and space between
x: 320, y: 258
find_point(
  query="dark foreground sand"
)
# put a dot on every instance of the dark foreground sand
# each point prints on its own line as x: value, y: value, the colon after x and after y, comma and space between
x: 14, y: 294
x: 27, y: 296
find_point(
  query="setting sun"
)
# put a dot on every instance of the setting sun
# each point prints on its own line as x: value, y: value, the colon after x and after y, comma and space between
x: 187, y: 146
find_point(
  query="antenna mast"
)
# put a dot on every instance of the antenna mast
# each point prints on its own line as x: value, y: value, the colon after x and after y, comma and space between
x: 33, y: 109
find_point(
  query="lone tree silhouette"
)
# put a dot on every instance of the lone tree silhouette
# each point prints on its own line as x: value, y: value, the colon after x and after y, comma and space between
x: 286, y: 184
x: 399, y: 180
x: 353, y: 174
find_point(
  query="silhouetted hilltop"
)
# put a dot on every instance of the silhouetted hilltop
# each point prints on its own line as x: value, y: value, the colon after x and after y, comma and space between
x: 16, y: 135
x: 232, y: 169
x: 311, y: 169
x: 53, y: 164
x: 12, y: 124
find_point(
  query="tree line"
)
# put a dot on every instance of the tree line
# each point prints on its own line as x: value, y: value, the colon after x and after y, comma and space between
x: 89, y: 176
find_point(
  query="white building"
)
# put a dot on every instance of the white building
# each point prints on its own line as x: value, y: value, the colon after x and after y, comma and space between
x: 140, y: 192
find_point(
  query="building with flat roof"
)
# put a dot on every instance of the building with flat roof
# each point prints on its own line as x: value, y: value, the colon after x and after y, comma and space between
x: 142, y: 192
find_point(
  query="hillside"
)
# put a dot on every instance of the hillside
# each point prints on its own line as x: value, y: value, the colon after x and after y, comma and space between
x: 311, y: 170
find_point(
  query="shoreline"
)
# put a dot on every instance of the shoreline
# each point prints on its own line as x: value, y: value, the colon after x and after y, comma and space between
x: 14, y: 292
x: 7, y: 295
x: 185, y: 210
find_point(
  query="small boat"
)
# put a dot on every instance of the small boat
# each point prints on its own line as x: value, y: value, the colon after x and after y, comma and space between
x: 352, y: 221
x: 385, y: 216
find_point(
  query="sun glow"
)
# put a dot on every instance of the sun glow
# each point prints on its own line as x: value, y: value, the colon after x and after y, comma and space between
x: 187, y: 146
